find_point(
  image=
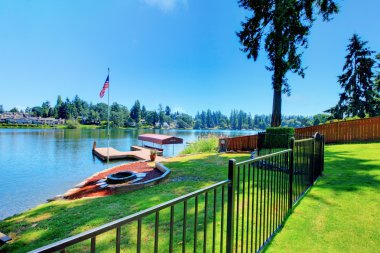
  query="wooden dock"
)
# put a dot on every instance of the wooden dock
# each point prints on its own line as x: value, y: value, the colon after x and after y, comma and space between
x: 138, y: 153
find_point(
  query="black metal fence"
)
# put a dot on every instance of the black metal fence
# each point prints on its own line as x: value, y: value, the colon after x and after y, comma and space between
x: 260, y: 202
x: 267, y: 187
x: 240, y: 214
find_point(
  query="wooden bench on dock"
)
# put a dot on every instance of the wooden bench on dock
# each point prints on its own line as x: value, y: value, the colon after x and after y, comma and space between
x: 159, y: 151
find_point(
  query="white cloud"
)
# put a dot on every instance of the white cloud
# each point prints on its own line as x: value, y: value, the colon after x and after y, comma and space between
x: 166, y: 5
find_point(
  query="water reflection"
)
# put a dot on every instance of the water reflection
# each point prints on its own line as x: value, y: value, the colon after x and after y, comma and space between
x: 37, y: 164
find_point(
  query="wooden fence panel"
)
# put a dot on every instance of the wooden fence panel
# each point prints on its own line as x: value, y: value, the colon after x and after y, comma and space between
x: 339, y: 132
x: 346, y: 131
x: 241, y: 143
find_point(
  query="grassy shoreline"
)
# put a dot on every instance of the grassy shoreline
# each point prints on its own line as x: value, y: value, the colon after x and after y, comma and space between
x: 82, y: 126
x: 79, y: 126
x: 16, y: 126
x: 57, y: 220
x: 348, y: 188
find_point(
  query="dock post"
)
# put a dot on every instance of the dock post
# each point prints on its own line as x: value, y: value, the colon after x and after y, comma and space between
x: 94, y: 145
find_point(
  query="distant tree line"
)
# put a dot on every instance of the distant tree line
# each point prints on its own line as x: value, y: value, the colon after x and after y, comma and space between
x: 163, y: 117
x: 239, y: 120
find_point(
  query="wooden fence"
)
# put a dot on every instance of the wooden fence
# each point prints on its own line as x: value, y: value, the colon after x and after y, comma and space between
x: 346, y: 131
x: 365, y: 130
x: 240, y: 143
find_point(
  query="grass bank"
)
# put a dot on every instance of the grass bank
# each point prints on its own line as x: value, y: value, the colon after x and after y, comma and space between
x: 209, y: 144
x: 22, y: 126
x: 341, y: 212
x: 59, y: 219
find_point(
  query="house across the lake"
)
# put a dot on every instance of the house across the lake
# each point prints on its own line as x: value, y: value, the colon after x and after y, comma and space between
x: 27, y: 119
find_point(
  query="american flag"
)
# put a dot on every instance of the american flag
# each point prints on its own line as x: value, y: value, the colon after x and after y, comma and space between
x: 105, y: 86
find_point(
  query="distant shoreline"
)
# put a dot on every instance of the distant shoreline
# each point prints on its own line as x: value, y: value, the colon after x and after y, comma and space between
x: 15, y: 126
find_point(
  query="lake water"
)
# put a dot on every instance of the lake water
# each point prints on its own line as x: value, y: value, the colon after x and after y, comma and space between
x: 39, y: 164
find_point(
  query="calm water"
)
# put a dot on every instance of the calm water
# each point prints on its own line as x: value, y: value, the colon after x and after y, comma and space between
x: 39, y: 164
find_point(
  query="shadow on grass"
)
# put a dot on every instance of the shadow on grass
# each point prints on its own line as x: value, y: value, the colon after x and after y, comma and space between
x: 346, y: 173
x: 347, y: 169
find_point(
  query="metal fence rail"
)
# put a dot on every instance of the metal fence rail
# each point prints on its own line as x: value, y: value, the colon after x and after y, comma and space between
x: 213, y: 208
x: 261, y: 199
x: 242, y: 218
x: 267, y: 187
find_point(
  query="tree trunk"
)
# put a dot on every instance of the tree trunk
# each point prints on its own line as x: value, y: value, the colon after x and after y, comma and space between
x: 276, y: 108
x: 278, y: 71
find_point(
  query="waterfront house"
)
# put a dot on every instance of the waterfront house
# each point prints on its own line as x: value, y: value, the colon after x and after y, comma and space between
x: 27, y: 119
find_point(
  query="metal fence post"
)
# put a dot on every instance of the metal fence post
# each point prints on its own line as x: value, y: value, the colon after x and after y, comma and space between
x: 312, y: 174
x: 322, y: 153
x: 318, y: 137
x: 291, y: 170
x: 231, y: 205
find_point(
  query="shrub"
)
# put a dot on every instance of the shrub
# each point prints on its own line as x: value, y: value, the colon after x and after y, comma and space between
x: 209, y: 144
x: 72, y: 124
x: 278, y: 137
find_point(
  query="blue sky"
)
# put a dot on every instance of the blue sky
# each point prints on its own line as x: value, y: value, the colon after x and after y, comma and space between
x: 181, y: 53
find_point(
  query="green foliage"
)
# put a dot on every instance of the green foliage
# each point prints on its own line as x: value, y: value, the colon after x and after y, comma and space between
x: 204, y: 145
x: 211, y: 119
x: 93, y: 114
x: 45, y: 109
x: 14, y: 109
x: 151, y: 117
x: 377, y: 78
x: 143, y: 112
x: 360, y: 95
x: 184, y: 121
x: 283, y: 26
x: 161, y: 115
x: 119, y: 115
x: 117, y: 119
x: 168, y: 111
x: 136, y: 112
x: 320, y: 119
x: 278, y: 137
x: 72, y: 124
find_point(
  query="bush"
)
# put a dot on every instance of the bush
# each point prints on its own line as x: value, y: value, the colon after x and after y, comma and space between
x: 72, y: 124
x: 209, y: 144
x: 278, y: 137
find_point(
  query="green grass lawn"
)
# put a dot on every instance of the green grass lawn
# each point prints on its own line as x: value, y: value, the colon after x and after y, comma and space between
x: 59, y: 219
x: 341, y: 213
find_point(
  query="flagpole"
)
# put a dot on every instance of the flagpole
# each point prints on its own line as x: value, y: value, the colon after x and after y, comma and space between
x: 108, y: 122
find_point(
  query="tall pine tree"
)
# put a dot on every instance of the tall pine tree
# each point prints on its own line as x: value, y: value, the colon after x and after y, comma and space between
x: 359, y: 96
x: 136, y: 112
x: 283, y: 25
x: 377, y: 78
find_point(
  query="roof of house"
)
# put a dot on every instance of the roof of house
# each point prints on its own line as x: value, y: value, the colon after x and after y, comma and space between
x: 160, y: 139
